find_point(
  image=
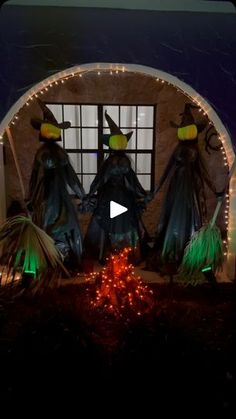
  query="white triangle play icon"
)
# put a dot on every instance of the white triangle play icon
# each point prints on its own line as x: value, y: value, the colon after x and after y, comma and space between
x: 116, y: 209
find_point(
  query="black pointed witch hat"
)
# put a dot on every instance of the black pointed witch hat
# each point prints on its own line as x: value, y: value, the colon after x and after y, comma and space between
x: 48, y: 118
x: 116, y: 139
x: 188, y: 119
x: 49, y: 128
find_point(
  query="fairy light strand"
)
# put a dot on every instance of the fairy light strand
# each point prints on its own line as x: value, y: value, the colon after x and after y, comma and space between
x: 57, y: 81
x: 117, y: 290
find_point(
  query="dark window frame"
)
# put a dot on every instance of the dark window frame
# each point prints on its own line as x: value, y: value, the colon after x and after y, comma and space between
x: 100, y: 150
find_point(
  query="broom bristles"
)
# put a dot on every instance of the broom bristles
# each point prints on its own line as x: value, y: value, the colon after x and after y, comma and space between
x: 204, y: 249
x: 26, y: 246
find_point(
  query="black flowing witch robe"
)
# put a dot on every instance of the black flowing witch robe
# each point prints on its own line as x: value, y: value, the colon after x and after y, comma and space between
x: 184, y: 207
x: 115, y: 181
x: 52, y: 206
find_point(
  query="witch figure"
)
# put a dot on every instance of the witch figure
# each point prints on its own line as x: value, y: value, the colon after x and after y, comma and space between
x: 49, y: 199
x: 184, y: 207
x: 116, y: 181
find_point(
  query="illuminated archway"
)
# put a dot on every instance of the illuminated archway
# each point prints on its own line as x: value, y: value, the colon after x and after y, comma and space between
x: 161, y: 77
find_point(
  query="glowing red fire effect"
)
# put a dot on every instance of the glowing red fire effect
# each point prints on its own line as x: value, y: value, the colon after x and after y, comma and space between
x: 118, y: 290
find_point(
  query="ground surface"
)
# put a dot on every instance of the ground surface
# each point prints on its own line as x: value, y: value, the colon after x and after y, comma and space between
x: 179, y: 358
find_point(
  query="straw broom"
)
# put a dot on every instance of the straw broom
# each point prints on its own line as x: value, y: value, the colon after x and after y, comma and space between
x: 205, y: 249
x: 23, y: 245
x: 27, y: 248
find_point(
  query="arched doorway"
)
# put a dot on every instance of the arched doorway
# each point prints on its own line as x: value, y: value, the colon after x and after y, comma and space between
x: 115, y: 72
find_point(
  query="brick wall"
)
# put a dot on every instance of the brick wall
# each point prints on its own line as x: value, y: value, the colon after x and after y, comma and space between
x: 130, y: 88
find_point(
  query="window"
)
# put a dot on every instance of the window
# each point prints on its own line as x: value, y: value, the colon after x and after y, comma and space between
x: 83, y: 140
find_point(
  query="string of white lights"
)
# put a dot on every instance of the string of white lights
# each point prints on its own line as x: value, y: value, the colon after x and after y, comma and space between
x: 55, y: 81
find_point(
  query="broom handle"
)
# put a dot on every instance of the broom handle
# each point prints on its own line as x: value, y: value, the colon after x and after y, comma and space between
x: 220, y: 202
x: 216, y: 212
x: 11, y: 141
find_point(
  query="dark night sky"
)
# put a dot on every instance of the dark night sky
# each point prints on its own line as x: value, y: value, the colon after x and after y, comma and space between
x: 198, y: 48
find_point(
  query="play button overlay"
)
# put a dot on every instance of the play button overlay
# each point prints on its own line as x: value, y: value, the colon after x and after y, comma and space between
x: 116, y: 209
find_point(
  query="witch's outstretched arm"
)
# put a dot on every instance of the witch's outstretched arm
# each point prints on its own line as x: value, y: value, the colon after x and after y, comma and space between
x: 205, y: 175
x: 101, y: 177
x: 90, y: 200
x: 168, y: 169
x: 73, y: 181
x: 133, y: 184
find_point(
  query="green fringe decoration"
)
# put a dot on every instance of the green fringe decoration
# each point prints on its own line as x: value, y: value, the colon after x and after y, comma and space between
x: 205, y: 249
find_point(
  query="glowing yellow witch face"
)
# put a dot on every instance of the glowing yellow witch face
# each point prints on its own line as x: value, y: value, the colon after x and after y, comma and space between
x: 50, y: 131
x: 118, y: 142
x: 187, y: 133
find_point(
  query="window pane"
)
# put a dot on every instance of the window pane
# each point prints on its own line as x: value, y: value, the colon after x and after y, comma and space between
x: 89, y: 138
x: 89, y: 162
x: 89, y: 116
x: 127, y: 116
x: 132, y: 141
x: 72, y: 138
x: 145, y: 181
x: 75, y: 159
x: 72, y: 114
x: 106, y: 131
x: 57, y: 111
x: 87, y: 180
x: 138, y: 119
x: 113, y: 112
x: 145, y: 116
x: 143, y: 163
x: 132, y: 160
x: 145, y: 138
